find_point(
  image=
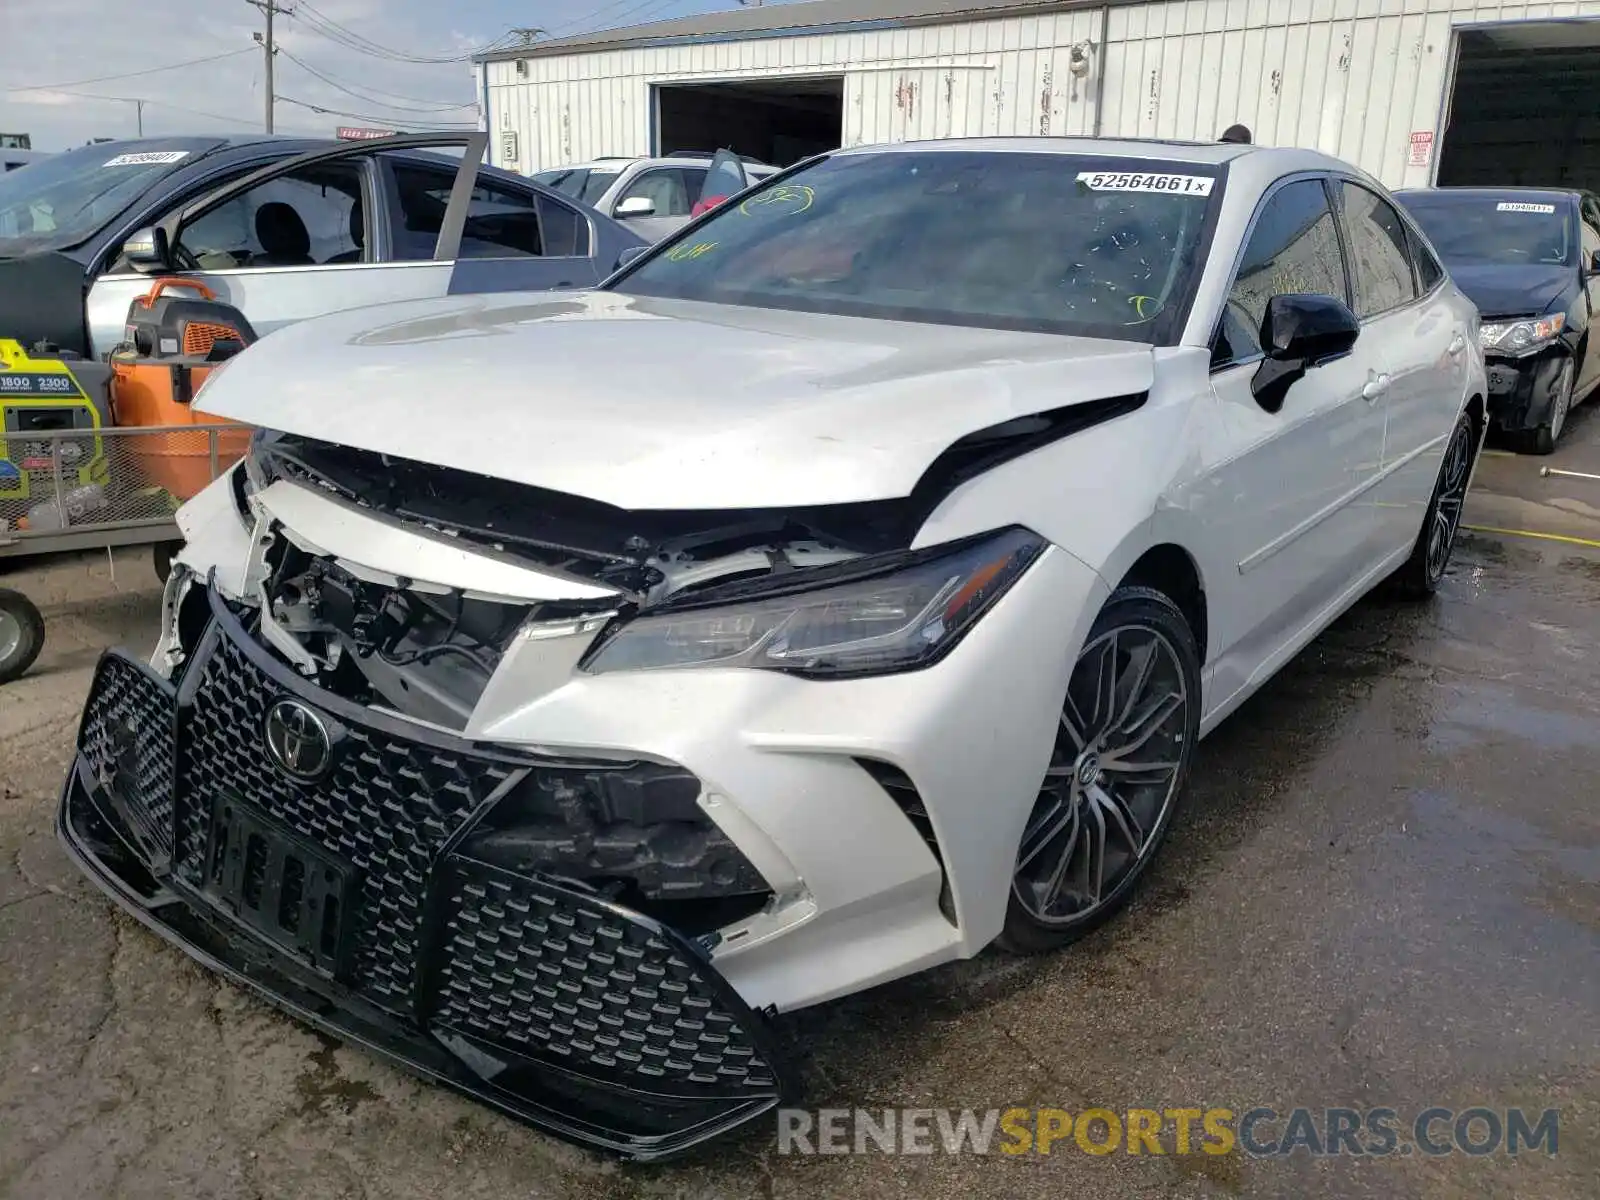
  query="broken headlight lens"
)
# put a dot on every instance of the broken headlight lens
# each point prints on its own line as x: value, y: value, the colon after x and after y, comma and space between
x: 905, y: 618
x: 1514, y: 337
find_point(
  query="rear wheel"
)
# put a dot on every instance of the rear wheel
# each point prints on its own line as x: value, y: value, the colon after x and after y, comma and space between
x: 1123, y: 745
x: 21, y: 634
x: 1436, y: 541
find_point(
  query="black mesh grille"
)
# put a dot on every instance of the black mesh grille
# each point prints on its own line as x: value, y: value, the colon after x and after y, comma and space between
x: 388, y: 807
x: 126, y: 736
x: 542, y: 971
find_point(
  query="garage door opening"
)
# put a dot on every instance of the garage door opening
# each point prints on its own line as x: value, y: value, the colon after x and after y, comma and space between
x: 778, y: 121
x: 1523, y: 110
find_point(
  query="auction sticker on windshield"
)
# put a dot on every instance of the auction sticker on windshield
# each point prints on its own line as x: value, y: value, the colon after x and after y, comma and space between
x: 1113, y: 181
x: 147, y: 158
x: 1522, y: 207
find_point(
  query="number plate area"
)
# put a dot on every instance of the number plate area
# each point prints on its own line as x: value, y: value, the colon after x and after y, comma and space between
x: 291, y: 891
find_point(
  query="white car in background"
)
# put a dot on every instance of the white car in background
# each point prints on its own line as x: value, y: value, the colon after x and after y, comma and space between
x: 651, y: 196
x: 828, y: 596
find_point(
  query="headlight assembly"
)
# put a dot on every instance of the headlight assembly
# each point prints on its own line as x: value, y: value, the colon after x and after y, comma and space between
x: 1516, y: 337
x: 902, y: 618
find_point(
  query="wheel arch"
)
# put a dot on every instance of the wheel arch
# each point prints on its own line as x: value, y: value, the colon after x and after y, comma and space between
x: 1170, y: 569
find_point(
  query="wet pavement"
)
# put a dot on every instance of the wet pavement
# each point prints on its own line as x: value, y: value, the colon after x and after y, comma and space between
x: 1383, y: 891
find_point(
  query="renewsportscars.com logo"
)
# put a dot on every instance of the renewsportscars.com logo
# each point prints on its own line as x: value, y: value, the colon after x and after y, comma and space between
x: 1256, y: 1132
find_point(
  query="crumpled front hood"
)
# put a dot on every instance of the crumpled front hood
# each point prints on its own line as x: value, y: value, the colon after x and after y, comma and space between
x: 650, y: 404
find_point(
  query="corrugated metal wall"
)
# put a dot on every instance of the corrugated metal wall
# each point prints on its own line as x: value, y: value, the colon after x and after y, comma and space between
x: 1352, y: 77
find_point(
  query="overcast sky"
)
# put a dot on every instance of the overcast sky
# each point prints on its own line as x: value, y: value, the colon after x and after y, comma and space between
x: 80, y: 41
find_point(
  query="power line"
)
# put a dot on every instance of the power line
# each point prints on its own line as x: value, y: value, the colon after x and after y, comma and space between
x: 444, y: 126
x: 327, y: 27
x: 429, y: 106
x: 72, y: 83
x: 613, y: 22
x: 194, y: 112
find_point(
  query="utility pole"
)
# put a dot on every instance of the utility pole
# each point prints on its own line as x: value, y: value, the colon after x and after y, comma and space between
x: 138, y: 108
x: 269, y: 47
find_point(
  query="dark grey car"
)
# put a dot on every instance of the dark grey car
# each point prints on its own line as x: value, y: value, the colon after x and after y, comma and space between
x: 281, y: 228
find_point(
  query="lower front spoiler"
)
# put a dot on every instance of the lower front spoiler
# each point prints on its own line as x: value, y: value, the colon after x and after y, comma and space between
x: 564, y: 1104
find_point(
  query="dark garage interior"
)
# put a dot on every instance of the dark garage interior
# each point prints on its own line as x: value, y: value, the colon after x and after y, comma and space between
x: 1525, y: 109
x: 778, y: 121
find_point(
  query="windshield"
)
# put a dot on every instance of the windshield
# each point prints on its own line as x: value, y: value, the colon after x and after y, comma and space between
x: 1478, y: 228
x: 64, y: 199
x: 1044, y: 242
x: 581, y: 183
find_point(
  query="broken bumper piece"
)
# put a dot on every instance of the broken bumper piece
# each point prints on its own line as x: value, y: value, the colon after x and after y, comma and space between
x: 348, y: 902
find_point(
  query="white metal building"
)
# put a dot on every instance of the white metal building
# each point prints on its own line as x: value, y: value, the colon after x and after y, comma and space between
x: 1416, y: 91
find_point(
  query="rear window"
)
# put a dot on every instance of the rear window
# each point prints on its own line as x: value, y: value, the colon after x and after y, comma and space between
x: 1476, y: 228
x: 1042, y: 242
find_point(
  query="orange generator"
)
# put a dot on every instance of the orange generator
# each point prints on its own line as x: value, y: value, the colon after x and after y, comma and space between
x: 172, y: 343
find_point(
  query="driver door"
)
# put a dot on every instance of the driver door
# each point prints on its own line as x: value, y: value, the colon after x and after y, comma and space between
x: 296, y: 239
x: 1290, y: 508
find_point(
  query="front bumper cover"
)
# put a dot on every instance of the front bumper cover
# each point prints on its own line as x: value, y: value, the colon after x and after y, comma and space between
x: 1520, y: 387
x: 546, y: 1001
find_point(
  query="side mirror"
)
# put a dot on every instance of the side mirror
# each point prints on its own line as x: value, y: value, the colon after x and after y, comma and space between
x: 1298, y: 333
x: 631, y: 254
x: 1592, y: 267
x: 147, y: 250
x: 635, y: 206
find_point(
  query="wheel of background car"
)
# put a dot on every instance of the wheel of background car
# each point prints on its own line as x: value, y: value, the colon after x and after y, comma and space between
x: 1436, y: 540
x: 161, y: 555
x: 1123, y: 745
x: 21, y: 634
x: 1543, y: 439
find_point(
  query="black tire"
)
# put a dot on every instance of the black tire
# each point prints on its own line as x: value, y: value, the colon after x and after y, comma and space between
x: 161, y: 555
x: 1419, y: 578
x: 1101, y: 798
x: 21, y: 634
x: 1543, y: 438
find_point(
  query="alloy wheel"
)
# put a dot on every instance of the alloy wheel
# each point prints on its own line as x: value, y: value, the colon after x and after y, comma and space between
x: 1561, y: 402
x: 1453, y: 476
x: 1112, y: 778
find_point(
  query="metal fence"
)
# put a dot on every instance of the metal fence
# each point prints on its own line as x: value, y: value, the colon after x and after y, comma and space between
x: 73, y: 488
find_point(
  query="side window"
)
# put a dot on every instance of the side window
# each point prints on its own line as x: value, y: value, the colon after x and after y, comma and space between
x: 1429, y: 270
x: 1380, y: 257
x: 565, y: 231
x: 1589, y: 235
x: 673, y: 190
x: 311, y: 217
x: 1589, y: 205
x: 1294, y: 247
x: 501, y: 222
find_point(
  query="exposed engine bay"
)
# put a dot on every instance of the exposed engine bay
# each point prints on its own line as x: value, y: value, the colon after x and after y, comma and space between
x: 427, y: 651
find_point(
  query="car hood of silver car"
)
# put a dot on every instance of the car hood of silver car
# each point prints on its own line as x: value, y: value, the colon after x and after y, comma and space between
x: 652, y: 404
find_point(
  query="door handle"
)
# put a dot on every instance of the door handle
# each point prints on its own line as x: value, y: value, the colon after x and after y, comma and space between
x: 1375, y: 387
x: 1457, y: 346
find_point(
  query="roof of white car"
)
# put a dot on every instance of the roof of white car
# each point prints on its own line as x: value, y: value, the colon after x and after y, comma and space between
x: 1257, y: 165
x: 1200, y: 153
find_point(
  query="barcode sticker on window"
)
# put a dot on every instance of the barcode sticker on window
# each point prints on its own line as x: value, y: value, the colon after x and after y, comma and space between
x: 1519, y: 206
x: 1115, y: 181
x: 147, y: 158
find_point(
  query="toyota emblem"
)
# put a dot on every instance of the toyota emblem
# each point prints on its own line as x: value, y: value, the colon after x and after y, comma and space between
x: 298, y: 741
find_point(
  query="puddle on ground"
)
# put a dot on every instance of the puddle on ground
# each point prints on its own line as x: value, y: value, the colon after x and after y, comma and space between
x: 1493, y: 710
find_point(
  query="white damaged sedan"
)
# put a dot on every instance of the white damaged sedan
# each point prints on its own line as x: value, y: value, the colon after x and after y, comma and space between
x: 566, y: 683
